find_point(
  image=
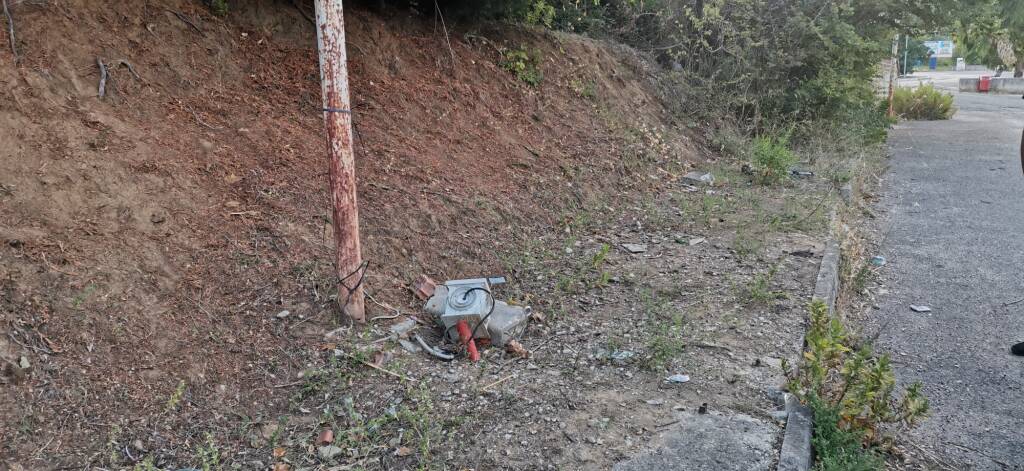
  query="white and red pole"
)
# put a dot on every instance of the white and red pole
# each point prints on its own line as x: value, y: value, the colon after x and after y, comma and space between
x: 330, y: 36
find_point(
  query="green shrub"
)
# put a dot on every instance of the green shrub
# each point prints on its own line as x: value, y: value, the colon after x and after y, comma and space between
x: 838, y: 449
x: 540, y: 13
x: 772, y: 159
x: 523, y: 65
x: 853, y: 392
x: 923, y: 103
x: 218, y: 7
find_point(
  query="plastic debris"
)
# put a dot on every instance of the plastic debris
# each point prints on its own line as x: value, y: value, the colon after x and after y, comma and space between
x: 678, y: 379
x: 920, y: 308
x: 878, y: 260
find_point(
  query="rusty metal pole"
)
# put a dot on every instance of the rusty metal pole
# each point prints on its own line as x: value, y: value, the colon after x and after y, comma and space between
x: 330, y: 37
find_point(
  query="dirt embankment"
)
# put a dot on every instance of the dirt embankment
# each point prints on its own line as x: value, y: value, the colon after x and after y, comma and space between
x: 152, y: 236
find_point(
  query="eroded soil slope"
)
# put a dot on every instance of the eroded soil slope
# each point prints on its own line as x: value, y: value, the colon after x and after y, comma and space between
x: 151, y: 237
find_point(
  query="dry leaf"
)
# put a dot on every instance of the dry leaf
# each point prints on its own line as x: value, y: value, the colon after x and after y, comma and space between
x: 232, y: 179
x: 326, y: 436
x: 380, y: 357
x: 278, y: 452
x: 404, y: 451
x: 281, y: 467
x: 517, y: 349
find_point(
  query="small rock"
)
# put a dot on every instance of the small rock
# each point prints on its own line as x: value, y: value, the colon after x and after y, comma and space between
x: 703, y: 409
x: 137, y: 444
x: 635, y: 248
x: 698, y: 179
x: 409, y: 346
x: 23, y: 363
x: 655, y: 402
x: 920, y: 308
x: 327, y: 452
x: 678, y: 379
x: 402, y: 328
x: 697, y: 240
x: 283, y: 314
x: 621, y: 357
x: 157, y: 218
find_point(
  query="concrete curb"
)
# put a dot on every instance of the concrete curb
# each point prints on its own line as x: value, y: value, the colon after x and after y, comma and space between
x: 797, y: 453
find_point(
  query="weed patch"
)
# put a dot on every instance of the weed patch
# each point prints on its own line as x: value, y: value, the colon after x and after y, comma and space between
x: 923, y: 103
x: 523, y: 65
x: 853, y: 391
x: 771, y: 159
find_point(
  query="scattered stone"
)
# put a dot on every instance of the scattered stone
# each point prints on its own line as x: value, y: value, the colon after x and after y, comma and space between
x: 404, y: 327
x: 23, y: 363
x: 409, y: 346
x: 157, y: 218
x: 283, y: 314
x: 621, y: 357
x: 678, y: 379
x: 655, y: 402
x: 696, y: 240
x: 137, y: 444
x: 920, y: 308
x: 327, y: 452
x: 698, y: 179
x: 635, y: 248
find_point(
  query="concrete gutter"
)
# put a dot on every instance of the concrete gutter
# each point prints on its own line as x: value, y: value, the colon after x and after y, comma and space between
x: 797, y: 454
x: 1004, y: 85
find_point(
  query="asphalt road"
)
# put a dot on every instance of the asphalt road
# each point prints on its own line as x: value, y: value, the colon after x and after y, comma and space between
x: 954, y: 241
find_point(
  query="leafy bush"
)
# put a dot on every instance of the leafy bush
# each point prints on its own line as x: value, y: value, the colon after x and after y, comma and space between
x: 218, y: 7
x: 772, y: 159
x: 836, y: 448
x: 523, y: 65
x: 850, y: 387
x: 540, y: 13
x: 923, y: 103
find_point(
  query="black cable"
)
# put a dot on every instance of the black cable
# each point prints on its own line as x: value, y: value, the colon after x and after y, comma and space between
x: 362, y: 269
x: 465, y: 295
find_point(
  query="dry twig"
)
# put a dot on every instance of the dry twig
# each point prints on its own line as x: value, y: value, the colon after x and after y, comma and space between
x: 10, y: 30
x: 445, y: 29
x: 183, y: 17
x: 103, y: 77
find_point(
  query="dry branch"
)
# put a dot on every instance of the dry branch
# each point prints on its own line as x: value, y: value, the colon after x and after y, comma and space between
x: 10, y: 30
x: 103, y: 77
x: 183, y: 17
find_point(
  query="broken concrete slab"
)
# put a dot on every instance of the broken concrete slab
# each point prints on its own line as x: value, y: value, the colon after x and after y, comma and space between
x: 635, y: 248
x: 710, y: 442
